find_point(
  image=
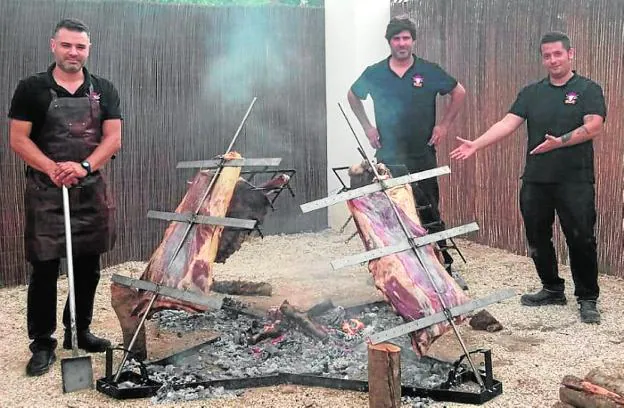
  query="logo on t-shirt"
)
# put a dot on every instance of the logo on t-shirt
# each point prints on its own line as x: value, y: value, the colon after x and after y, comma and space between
x: 570, y: 98
x: 417, y: 81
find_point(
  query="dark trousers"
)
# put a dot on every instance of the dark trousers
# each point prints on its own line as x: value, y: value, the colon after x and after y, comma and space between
x: 41, y: 310
x: 574, y: 205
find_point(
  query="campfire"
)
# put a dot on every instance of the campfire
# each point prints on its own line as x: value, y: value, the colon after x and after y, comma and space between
x: 250, y: 347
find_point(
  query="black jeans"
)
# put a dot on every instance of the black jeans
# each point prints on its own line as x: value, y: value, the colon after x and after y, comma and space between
x: 574, y: 205
x: 41, y: 308
x: 426, y: 193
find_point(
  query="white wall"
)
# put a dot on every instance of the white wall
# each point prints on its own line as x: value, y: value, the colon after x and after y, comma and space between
x: 354, y: 39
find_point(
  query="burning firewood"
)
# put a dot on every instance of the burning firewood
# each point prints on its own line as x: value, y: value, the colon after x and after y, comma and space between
x: 269, y: 331
x: 302, y: 320
x: 401, y: 277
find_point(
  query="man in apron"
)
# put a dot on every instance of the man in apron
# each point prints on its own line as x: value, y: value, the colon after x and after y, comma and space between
x: 66, y: 125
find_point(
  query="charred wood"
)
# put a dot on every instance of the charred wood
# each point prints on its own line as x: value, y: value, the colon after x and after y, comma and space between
x: 241, y: 287
x: 320, y: 308
x: 302, y: 320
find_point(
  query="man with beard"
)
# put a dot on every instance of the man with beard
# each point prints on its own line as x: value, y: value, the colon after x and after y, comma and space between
x: 404, y: 89
x: 564, y: 112
x: 65, y: 124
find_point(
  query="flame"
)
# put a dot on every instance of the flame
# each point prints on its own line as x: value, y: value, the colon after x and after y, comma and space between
x: 352, y: 326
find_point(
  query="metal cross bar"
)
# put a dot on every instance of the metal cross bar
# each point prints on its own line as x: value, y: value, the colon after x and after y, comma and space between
x: 440, y: 316
x: 403, y: 246
x: 202, y: 219
x: 216, y: 163
x: 372, y: 188
x: 210, y: 301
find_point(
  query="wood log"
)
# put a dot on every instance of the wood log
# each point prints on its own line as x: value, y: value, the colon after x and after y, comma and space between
x: 320, y: 308
x: 401, y: 277
x: 384, y: 376
x: 302, y: 320
x: 242, y: 287
x: 611, y: 383
x: 578, y: 384
x: 580, y: 399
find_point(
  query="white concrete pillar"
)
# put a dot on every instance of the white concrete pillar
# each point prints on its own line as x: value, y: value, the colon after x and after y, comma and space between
x: 354, y: 39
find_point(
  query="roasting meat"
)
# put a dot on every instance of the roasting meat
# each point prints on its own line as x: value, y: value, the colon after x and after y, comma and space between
x: 401, y: 277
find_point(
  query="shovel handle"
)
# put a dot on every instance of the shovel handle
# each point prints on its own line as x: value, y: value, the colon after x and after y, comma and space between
x: 70, y: 272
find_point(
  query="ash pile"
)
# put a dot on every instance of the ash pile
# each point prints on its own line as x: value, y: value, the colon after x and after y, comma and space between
x: 249, y: 347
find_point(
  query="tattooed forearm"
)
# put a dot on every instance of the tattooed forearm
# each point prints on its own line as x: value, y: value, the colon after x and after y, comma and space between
x: 580, y: 131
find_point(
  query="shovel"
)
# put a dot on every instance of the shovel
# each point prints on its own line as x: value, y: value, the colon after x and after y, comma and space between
x: 77, y: 371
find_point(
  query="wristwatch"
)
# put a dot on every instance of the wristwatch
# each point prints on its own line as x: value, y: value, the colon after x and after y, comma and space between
x: 87, y: 166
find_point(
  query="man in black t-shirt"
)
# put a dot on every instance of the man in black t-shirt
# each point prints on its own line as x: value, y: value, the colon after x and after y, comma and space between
x: 404, y: 89
x: 564, y: 112
x: 65, y: 124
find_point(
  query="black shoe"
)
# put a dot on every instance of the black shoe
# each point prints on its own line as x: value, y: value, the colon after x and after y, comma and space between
x: 40, y: 362
x: 589, y: 311
x: 87, y: 341
x: 544, y: 297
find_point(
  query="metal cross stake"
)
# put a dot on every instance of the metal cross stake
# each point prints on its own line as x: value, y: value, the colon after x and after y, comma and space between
x: 191, y: 219
x: 411, y: 242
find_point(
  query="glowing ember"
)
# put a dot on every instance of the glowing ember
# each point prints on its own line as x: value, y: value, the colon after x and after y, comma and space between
x: 352, y: 326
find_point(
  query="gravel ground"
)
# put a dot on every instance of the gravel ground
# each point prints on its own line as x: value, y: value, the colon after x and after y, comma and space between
x: 537, y: 347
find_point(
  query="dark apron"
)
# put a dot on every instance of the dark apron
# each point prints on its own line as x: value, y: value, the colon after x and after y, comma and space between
x: 71, y: 132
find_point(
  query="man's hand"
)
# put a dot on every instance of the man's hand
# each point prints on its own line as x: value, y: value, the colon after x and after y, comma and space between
x: 551, y: 143
x: 439, y: 133
x: 373, y: 137
x: 68, y: 173
x: 466, y: 149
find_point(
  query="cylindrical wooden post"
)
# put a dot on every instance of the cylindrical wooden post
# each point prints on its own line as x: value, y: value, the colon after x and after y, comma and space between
x: 384, y: 376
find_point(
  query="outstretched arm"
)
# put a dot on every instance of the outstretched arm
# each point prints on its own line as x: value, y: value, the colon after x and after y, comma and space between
x: 495, y: 133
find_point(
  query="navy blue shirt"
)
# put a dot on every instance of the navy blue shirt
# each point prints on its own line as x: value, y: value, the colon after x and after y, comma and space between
x: 405, y: 107
x: 557, y: 110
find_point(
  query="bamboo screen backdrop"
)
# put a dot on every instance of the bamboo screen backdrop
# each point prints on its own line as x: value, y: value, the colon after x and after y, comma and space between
x: 186, y: 75
x: 491, y: 46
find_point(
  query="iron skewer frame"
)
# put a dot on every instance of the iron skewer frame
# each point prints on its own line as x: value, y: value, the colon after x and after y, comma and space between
x: 192, y: 219
x: 383, y: 186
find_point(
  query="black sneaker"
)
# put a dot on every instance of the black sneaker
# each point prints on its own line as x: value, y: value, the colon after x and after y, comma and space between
x: 544, y: 297
x: 40, y: 362
x: 87, y: 341
x: 589, y: 311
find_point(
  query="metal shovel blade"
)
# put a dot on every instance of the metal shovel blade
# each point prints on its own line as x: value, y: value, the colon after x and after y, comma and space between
x: 77, y: 373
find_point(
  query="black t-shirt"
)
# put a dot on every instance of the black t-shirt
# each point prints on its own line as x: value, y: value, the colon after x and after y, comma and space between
x: 556, y: 110
x: 405, y: 107
x: 32, y: 98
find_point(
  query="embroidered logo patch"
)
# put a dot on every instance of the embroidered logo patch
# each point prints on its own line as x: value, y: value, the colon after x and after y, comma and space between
x: 571, y: 98
x: 417, y: 81
x: 94, y: 96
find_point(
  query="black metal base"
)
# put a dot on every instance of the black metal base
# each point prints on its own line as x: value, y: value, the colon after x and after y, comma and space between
x: 460, y: 375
